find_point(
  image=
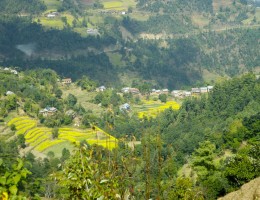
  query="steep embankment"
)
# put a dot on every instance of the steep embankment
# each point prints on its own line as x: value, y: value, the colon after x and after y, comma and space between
x: 249, y: 191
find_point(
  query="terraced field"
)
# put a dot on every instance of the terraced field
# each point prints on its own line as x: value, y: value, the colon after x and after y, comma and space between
x: 52, y: 4
x: 40, y: 138
x: 153, y: 108
x: 118, y: 4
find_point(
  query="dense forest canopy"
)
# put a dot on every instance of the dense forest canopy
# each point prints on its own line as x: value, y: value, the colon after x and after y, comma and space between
x: 22, y: 6
x: 184, y: 53
x: 231, y: 52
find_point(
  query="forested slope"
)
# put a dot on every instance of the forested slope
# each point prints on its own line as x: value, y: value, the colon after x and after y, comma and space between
x: 22, y: 6
x: 206, y: 149
x: 185, y: 53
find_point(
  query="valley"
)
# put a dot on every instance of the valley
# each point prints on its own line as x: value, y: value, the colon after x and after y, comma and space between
x: 129, y: 99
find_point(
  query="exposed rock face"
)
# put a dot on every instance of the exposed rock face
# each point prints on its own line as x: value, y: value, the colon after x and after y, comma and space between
x: 249, y: 191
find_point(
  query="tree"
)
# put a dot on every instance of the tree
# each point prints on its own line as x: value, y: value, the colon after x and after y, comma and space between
x: 74, y: 23
x: 163, y: 98
x: 203, y: 159
x: 130, y: 9
x: 58, y: 93
x: 87, y: 178
x: 71, y: 100
x: 240, y: 169
x: 64, y: 20
x: 21, y: 141
x: 65, y: 155
x: 55, y: 133
x: 86, y: 84
x: 10, y: 179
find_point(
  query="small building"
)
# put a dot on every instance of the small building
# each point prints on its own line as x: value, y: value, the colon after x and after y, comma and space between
x: 203, y: 89
x: 195, y: 90
x: 92, y: 31
x: 101, y: 88
x: 123, y: 12
x: 125, y: 89
x: 210, y: 88
x: 125, y: 106
x: 186, y: 93
x: 52, y: 14
x: 134, y: 90
x: 9, y: 93
x: 176, y: 93
x: 165, y: 91
x: 14, y: 71
x: 71, y: 113
x: 48, y: 111
x: 66, y: 81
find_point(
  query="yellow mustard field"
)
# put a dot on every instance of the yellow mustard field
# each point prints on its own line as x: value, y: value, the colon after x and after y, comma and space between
x: 40, y: 138
x: 153, y: 111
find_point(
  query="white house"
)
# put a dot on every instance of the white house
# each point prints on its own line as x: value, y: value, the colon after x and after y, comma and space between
x: 48, y: 111
x: 187, y: 93
x: 9, y: 93
x: 102, y: 88
x: 14, y: 71
x: 209, y: 88
x: 176, y: 93
x: 203, y: 90
x: 125, y: 89
x: 125, y: 106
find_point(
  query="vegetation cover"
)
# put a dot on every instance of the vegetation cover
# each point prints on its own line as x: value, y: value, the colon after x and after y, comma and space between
x: 204, y: 148
x: 195, y: 42
x: 196, y: 151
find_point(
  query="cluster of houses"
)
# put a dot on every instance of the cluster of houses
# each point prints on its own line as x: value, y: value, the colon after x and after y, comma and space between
x: 7, y: 69
x: 194, y: 91
x: 130, y: 90
x: 92, y: 31
x: 113, y: 12
x: 163, y: 91
x: 174, y: 93
x: 48, y: 111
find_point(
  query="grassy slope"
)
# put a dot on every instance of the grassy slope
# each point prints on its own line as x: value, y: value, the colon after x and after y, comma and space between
x: 83, y: 97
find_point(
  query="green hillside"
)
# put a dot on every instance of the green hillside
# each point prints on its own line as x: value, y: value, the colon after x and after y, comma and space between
x: 52, y: 130
x: 196, y: 41
x: 62, y: 136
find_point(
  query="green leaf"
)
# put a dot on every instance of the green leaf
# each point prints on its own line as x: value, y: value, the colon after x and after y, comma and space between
x: 1, y: 161
x: 17, y: 178
x: 13, y: 189
x: 104, y: 181
x: 9, y: 181
x: 7, y: 174
x: 20, y: 164
x: 2, y: 180
x: 24, y: 173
